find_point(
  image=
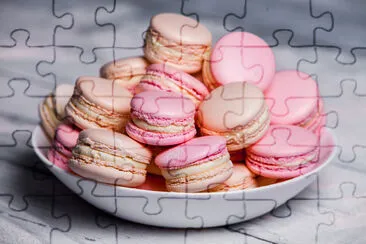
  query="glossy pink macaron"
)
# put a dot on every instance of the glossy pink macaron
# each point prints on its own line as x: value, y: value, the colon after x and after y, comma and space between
x: 239, y: 56
x: 196, y: 165
x: 286, y: 151
x: 65, y: 140
x: 293, y: 99
x: 161, y: 118
x: 166, y: 78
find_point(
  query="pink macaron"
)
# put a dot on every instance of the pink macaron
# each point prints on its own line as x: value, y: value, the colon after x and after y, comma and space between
x: 127, y: 71
x: 153, y: 183
x: 237, y: 111
x: 239, y: 56
x: 161, y: 118
x: 242, y: 178
x: 196, y: 165
x: 177, y: 40
x: 286, y: 151
x: 65, y: 140
x: 99, y: 103
x: 110, y: 157
x: 166, y: 78
x: 293, y: 99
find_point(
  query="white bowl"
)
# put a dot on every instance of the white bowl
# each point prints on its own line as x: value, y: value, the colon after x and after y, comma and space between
x: 185, y: 210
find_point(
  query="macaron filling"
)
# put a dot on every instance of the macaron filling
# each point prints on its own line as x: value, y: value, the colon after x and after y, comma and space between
x: 208, y: 78
x: 170, y: 83
x: 95, y: 114
x: 92, y: 152
x: 163, y: 49
x: 283, y: 163
x: 245, y: 134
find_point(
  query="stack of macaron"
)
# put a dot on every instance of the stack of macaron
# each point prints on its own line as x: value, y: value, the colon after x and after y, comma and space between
x: 188, y: 116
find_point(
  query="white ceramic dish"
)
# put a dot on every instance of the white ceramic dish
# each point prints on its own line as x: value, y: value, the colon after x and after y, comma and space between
x: 185, y: 210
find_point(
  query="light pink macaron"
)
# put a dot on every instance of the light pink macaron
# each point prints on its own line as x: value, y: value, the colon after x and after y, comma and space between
x: 177, y: 40
x: 237, y: 111
x: 293, y: 99
x: 166, y: 78
x: 99, y: 103
x: 127, y: 71
x: 65, y: 140
x: 242, y: 178
x: 237, y: 57
x: 153, y: 183
x: 286, y: 151
x: 196, y: 165
x: 161, y: 118
x: 110, y: 157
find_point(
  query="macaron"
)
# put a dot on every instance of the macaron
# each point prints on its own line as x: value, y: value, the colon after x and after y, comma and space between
x: 177, y: 40
x: 166, y: 78
x: 196, y: 165
x: 238, y: 156
x: 65, y: 140
x: 293, y: 99
x: 52, y: 110
x: 161, y: 118
x: 239, y: 56
x: 99, y: 103
x: 286, y: 151
x: 110, y: 157
x: 127, y: 71
x: 242, y: 178
x: 237, y: 111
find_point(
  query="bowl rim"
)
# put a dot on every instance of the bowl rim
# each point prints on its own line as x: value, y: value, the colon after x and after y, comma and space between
x: 36, y: 134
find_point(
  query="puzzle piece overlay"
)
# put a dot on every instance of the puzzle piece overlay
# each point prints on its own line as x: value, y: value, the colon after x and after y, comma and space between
x: 53, y: 42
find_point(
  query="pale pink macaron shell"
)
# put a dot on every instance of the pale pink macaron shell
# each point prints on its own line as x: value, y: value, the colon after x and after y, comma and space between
x: 124, y: 68
x: 122, y: 143
x: 66, y: 138
x: 190, y: 152
x: 284, y: 141
x: 230, y: 105
x: 105, y: 93
x: 181, y: 29
x: 63, y: 93
x: 292, y: 97
x: 162, y: 105
x: 183, y: 80
x: 242, y: 56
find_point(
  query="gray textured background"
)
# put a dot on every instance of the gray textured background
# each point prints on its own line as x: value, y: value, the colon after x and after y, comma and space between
x: 43, y: 43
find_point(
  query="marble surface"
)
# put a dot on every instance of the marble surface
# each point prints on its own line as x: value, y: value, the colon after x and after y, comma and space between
x: 43, y: 44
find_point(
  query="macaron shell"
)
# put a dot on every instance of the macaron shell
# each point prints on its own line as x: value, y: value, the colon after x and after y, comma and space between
x: 106, y: 174
x: 57, y: 159
x: 63, y: 94
x: 105, y: 93
x: 48, y: 117
x: 181, y: 29
x: 159, y: 139
x: 285, y: 141
x: 219, y: 175
x: 161, y: 104
x: 124, y: 68
x: 181, y: 78
x: 229, y: 106
x: 242, y: 56
x: 121, y: 143
x: 192, y: 151
x: 67, y: 135
x: 281, y: 173
x: 291, y: 97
